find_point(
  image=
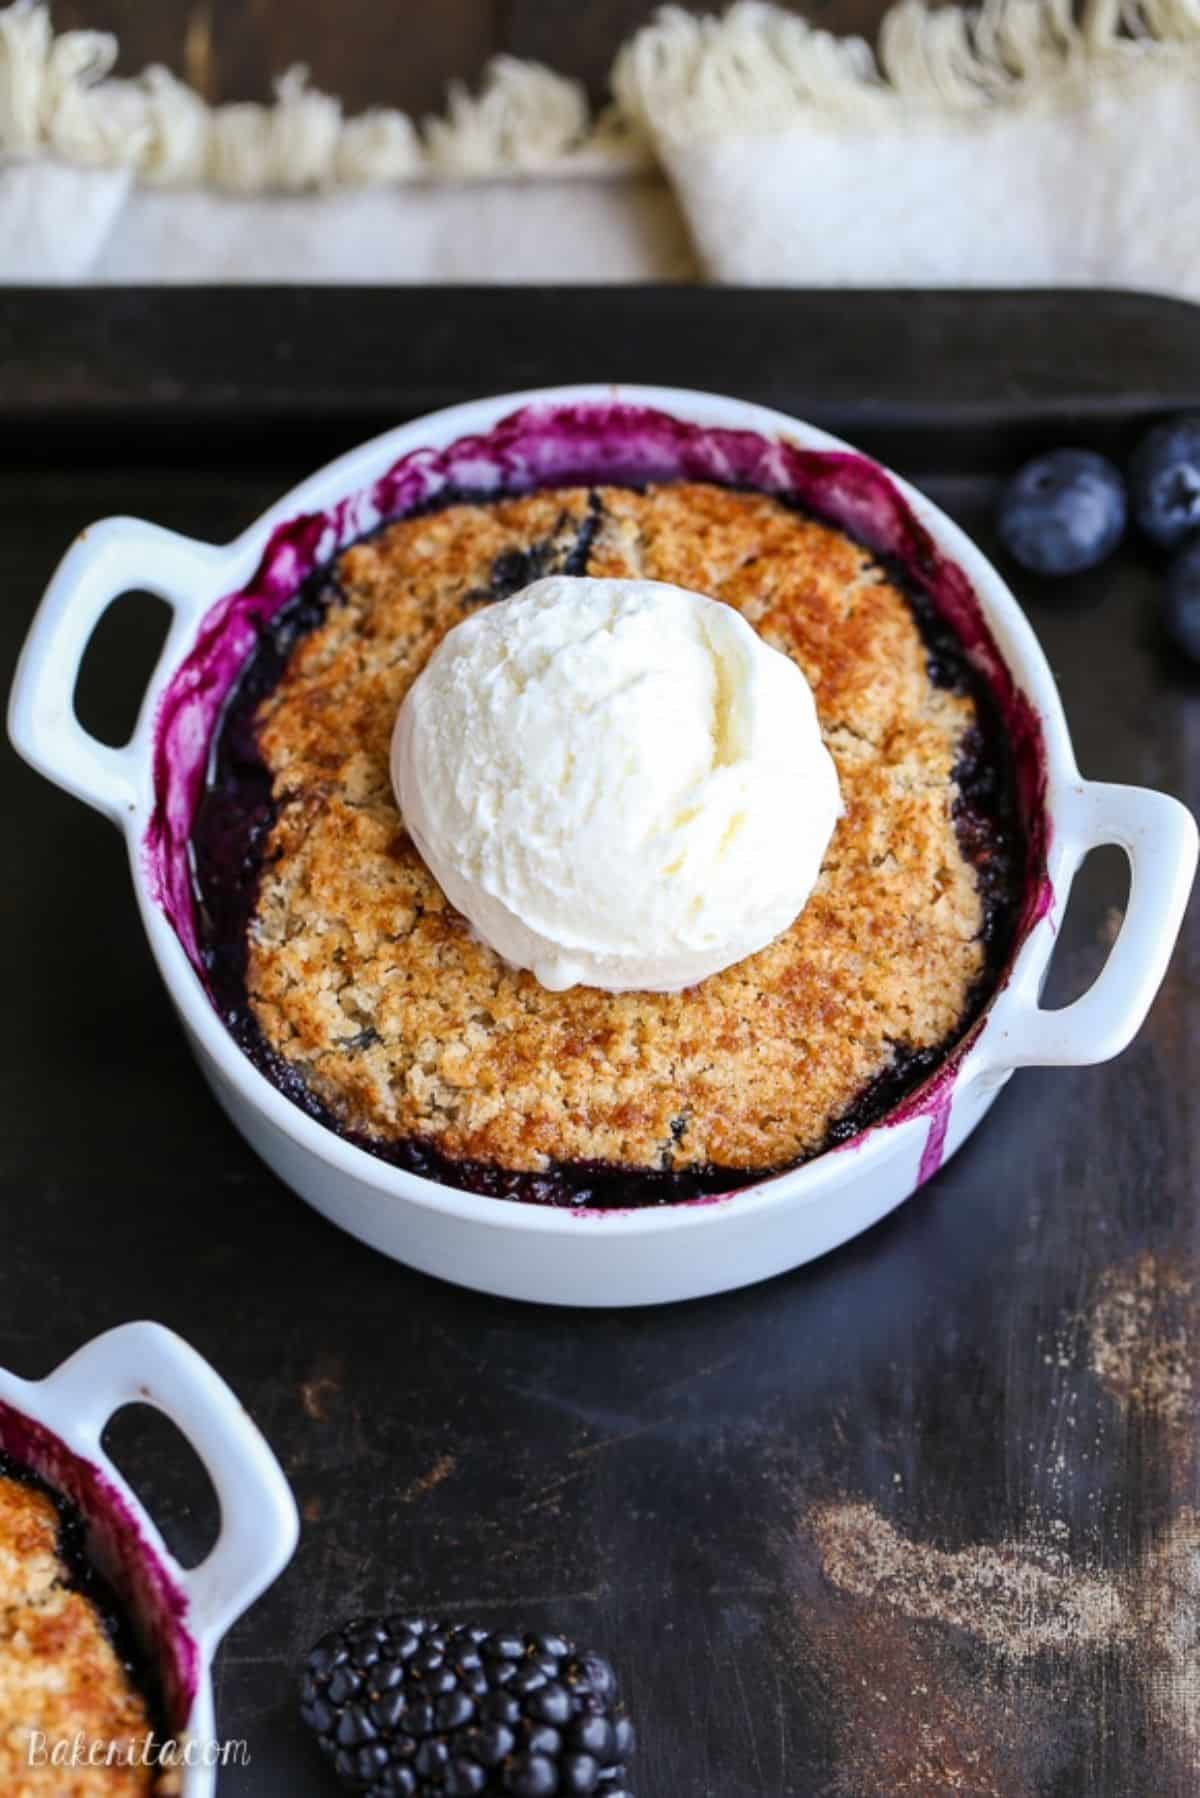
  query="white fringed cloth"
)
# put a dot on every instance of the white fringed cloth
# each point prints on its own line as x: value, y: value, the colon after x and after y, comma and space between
x: 1019, y: 143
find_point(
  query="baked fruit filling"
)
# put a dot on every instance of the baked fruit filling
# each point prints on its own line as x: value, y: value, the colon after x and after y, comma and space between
x: 344, y: 971
x: 72, y: 1718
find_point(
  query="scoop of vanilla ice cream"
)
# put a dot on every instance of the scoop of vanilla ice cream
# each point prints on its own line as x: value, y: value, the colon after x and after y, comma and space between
x: 617, y: 782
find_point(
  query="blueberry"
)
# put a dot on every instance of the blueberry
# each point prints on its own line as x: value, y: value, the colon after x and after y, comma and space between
x: 1063, y: 513
x: 1164, y: 478
x: 1181, y: 600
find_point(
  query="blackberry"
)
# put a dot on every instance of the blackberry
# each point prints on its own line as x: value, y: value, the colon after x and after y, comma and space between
x: 405, y: 1706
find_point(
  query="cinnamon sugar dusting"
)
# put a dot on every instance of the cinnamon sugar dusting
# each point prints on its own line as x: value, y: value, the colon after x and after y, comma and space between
x: 1144, y: 1330
x: 1144, y: 1338
x: 1165, y: 1594
x: 928, y: 1657
x: 1017, y: 1599
x: 910, y: 1720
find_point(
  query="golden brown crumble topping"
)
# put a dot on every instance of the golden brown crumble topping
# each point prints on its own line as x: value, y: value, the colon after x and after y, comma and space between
x: 365, y: 980
x: 59, y: 1674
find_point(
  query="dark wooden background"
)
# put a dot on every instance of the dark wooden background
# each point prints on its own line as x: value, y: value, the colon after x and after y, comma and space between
x: 399, y: 52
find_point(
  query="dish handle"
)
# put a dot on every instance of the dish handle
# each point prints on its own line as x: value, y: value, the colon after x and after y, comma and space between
x: 1159, y: 837
x: 144, y: 1363
x: 105, y: 560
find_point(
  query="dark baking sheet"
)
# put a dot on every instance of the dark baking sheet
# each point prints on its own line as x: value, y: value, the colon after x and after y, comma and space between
x: 911, y: 1521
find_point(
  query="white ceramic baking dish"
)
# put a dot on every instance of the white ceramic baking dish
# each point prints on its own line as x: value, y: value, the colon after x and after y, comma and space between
x: 53, y: 1427
x: 592, y: 1257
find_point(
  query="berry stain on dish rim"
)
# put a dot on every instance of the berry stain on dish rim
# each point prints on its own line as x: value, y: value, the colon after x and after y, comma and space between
x: 581, y: 443
x: 128, y: 1562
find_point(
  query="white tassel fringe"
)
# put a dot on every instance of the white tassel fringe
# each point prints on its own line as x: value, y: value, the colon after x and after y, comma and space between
x: 756, y: 70
x: 57, y: 98
x: 759, y: 69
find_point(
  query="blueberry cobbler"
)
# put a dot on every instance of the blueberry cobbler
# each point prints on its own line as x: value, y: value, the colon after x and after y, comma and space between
x: 68, y: 1680
x: 342, y: 966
